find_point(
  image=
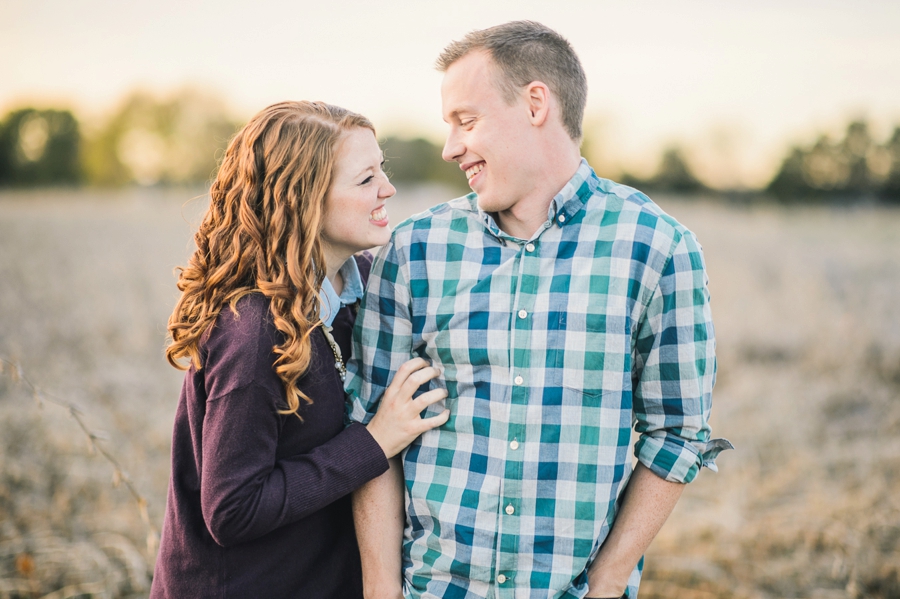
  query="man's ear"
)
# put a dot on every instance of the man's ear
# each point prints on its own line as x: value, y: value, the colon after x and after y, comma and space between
x: 537, y: 97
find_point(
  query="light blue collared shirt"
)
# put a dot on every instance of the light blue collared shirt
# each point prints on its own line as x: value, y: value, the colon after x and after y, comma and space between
x: 330, y: 302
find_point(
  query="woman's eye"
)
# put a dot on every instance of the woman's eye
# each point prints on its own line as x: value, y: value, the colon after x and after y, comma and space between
x: 367, y: 179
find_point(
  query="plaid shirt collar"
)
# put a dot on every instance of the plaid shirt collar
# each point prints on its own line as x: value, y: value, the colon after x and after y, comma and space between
x: 562, y: 208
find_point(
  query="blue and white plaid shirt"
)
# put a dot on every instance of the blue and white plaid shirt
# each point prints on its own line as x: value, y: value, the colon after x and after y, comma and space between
x: 551, y: 349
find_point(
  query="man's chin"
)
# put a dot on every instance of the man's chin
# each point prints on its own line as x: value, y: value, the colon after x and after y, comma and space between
x: 489, y: 204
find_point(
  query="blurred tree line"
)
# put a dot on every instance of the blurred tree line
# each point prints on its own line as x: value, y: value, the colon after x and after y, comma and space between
x: 418, y: 160
x: 39, y: 147
x: 180, y: 139
x: 673, y: 175
x: 150, y: 141
x: 853, y: 167
x: 145, y: 140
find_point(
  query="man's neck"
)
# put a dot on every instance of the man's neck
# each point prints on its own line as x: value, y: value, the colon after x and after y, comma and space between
x: 527, y: 215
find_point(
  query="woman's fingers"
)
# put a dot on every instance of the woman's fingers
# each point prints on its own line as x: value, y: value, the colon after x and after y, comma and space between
x: 410, y: 376
x: 429, y: 397
x: 399, y: 419
x: 434, y: 421
x: 423, y: 402
x: 417, y: 379
x: 405, y: 370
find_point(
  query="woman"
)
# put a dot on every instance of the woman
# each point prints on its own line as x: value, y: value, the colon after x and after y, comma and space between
x: 262, y: 465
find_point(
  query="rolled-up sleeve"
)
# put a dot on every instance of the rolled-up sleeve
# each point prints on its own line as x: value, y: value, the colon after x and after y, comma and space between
x: 674, y: 370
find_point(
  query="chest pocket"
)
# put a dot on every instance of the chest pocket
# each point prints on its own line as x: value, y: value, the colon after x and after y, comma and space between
x: 589, y: 352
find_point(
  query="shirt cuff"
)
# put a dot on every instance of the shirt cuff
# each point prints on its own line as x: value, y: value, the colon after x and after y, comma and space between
x: 676, y: 460
x: 376, y: 462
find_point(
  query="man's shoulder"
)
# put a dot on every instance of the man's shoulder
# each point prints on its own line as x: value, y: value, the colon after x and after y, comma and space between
x: 635, y: 210
x: 439, y: 217
x: 462, y: 206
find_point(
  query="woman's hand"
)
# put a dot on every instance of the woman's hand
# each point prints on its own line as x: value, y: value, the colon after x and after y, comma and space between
x: 398, y: 421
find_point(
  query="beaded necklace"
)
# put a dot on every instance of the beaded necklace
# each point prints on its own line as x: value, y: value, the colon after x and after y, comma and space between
x: 336, y: 350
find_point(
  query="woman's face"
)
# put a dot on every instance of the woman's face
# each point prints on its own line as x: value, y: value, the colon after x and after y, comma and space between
x: 355, y: 216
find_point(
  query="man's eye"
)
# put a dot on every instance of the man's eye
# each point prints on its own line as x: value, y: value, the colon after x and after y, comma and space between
x: 367, y: 179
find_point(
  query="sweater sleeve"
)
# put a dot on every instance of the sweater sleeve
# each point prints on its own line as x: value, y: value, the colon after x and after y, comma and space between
x: 245, y: 492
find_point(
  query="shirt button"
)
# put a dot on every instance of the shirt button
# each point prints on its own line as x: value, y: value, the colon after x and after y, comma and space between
x: 519, y: 380
x: 501, y: 578
x: 522, y: 313
x: 529, y: 247
x: 562, y: 218
x: 510, y: 510
x: 514, y: 444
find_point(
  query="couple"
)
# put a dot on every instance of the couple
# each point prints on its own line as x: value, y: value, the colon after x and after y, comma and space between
x: 510, y: 338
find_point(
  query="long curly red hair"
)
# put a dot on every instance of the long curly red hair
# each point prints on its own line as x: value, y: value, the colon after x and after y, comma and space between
x: 262, y: 233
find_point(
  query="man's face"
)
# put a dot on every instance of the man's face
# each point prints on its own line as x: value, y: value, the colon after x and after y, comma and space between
x: 489, y: 138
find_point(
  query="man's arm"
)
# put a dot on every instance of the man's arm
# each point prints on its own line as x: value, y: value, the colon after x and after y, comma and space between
x: 674, y: 371
x: 381, y: 344
x: 379, y: 516
x: 646, y: 505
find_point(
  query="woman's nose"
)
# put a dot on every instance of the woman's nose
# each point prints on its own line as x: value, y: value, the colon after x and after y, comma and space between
x: 387, y: 190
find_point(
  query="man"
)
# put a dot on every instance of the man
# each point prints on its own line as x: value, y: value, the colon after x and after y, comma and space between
x: 561, y: 308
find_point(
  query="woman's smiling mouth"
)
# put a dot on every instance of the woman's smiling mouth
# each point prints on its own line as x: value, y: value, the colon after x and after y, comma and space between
x: 379, y: 216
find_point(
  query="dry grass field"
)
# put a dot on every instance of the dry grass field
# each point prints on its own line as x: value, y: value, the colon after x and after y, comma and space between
x: 807, y: 308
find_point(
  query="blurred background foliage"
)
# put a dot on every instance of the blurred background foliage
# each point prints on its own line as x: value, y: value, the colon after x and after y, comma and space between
x: 419, y: 160
x: 40, y: 147
x: 177, y: 140
x: 159, y: 141
x: 853, y: 166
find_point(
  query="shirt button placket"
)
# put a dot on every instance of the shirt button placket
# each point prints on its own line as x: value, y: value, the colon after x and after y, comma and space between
x: 521, y: 324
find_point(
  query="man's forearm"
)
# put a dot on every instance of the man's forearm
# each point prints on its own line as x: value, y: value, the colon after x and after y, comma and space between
x: 379, y: 516
x: 647, y: 503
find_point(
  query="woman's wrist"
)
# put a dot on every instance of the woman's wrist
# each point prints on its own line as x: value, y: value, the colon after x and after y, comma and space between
x: 374, y: 428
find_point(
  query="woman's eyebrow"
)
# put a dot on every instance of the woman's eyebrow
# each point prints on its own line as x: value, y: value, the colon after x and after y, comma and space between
x: 365, y: 170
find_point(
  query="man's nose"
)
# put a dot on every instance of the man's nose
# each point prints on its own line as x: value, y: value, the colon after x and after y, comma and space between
x: 453, y: 148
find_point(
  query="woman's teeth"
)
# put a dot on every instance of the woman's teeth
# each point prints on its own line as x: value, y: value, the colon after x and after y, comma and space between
x: 378, y: 215
x: 472, y: 171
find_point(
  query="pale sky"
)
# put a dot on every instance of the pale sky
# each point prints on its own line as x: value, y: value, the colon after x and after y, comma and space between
x: 733, y: 82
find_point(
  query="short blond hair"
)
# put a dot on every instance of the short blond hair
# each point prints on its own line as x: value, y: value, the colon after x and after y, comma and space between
x: 526, y: 51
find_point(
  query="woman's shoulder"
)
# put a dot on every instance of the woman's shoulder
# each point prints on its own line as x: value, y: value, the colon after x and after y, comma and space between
x: 248, y: 318
x: 237, y: 349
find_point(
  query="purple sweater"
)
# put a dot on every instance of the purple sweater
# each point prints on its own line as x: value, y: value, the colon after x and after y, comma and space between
x: 258, y: 502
